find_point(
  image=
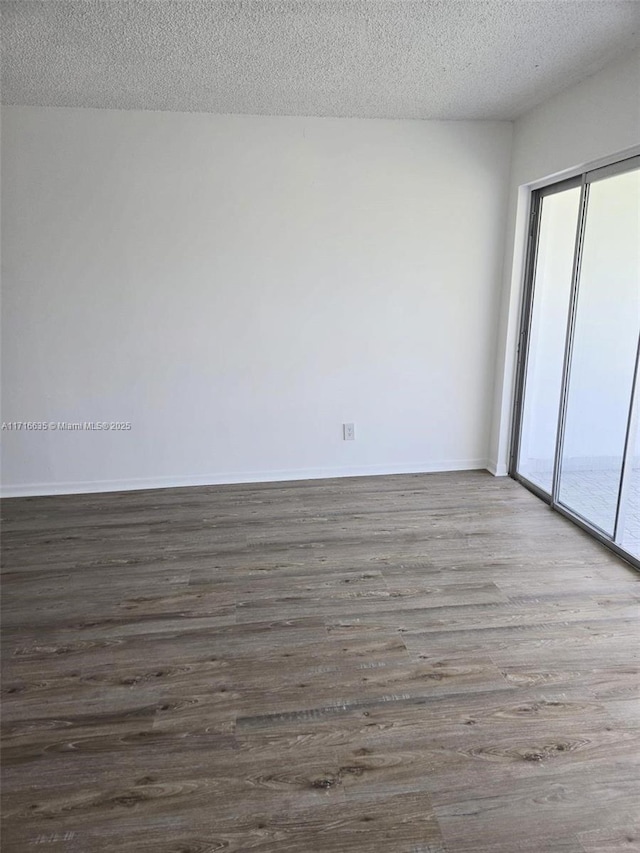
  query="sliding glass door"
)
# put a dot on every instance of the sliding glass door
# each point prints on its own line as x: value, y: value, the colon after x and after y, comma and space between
x: 628, y: 523
x: 554, y: 258
x: 605, y: 340
x: 576, y: 437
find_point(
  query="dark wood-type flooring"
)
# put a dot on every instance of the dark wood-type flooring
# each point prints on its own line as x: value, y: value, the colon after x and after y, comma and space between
x: 407, y: 664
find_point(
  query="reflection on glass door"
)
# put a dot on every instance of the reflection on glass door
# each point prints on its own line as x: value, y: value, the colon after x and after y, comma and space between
x: 577, y: 437
x: 605, y: 340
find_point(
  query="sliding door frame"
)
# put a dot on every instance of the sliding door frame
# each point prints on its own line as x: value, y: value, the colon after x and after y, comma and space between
x: 584, y: 180
x: 632, y: 425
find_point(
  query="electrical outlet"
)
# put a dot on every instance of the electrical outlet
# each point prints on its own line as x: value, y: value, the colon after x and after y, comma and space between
x: 348, y: 432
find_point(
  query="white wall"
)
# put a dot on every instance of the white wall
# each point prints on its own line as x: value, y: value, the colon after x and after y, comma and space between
x: 238, y: 287
x: 592, y: 120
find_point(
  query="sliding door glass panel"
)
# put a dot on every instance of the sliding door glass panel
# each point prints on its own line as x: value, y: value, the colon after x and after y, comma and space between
x: 629, y: 522
x: 607, y: 321
x: 543, y: 379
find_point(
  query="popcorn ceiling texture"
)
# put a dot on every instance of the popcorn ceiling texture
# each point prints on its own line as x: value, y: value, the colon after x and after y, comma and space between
x: 422, y: 60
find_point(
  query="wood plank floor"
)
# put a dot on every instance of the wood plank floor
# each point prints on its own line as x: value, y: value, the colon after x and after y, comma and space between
x: 411, y: 664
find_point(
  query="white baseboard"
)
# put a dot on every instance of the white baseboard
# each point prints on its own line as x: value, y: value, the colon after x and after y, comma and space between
x: 496, y: 469
x: 228, y: 478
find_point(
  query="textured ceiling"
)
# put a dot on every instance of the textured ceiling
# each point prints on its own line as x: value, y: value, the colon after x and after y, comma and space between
x: 448, y: 59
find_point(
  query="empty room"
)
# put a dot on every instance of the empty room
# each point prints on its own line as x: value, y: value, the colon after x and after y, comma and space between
x: 320, y: 426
